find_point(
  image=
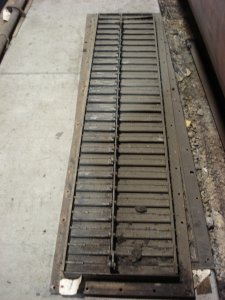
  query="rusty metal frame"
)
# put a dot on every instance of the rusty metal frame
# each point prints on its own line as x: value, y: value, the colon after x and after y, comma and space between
x: 64, y: 222
x: 183, y: 288
x: 201, y: 243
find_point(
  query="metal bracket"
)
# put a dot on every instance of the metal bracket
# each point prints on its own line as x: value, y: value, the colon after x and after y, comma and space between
x: 11, y: 7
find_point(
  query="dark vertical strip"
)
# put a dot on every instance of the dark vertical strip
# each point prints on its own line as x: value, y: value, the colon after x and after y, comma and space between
x: 115, y: 164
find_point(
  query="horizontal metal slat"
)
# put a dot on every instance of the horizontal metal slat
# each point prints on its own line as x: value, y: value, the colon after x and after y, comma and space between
x: 142, y: 199
x: 144, y: 231
x: 97, y: 148
x: 105, y: 61
x: 138, y: 37
x: 140, y: 91
x: 140, y: 82
x: 139, y: 68
x: 93, y: 199
x: 101, y: 99
x: 142, y: 185
x: 140, y: 31
x: 101, y: 214
x: 107, y: 31
x: 138, y: 49
x: 96, y: 159
x: 102, y: 90
x: 95, y: 172
x: 151, y: 248
x: 101, y: 137
x: 106, y: 49
x: 90, y: 187
x: 140, y: 127
x: 91, y: 230
x: 141, y: 137
x: 89, y: 249
x: 138, y: 21
x: 140, y: 107
x: 105, y: 54
x: 106, y: 43
x: 99, y: 126
x: 141, y: 160
x: 140, y: 24
x: 140, y: 117
x: 140, y: 42
x: 141, y: 55
x: 103, y: 107
x: 87, y: 259
x: 148, y: 75
x: 142, y: 173
x: 107, y: 37
x: 104, y: 68
x: 139, y: 99
x: 141, y: 148
x: 103, y: 82
x: 100, y: 117
x: 155, y: 215
x: 108, y: 21
x: 139, y: 61
x: 108, y: 26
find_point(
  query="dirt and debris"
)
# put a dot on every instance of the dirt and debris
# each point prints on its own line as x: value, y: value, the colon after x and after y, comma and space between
x: 136, y: 253
x: 141, y: 209
x: 208, y: 153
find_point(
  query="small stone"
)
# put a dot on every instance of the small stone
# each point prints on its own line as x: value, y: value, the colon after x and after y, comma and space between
x: 210, y: 223
x: 187, y: 72
x: 205, y: 200
x: 205, y: 170
x: 190, y: 134
x: 202, y: 193
x: 141, y: 209
x: 44, y: 231
x: 200, y: 112
x: 188, y: 123
x: 208, y: 213
x: 197, y: 167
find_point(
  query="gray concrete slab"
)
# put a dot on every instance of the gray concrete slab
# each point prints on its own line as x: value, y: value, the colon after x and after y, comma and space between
x: 38, y: 87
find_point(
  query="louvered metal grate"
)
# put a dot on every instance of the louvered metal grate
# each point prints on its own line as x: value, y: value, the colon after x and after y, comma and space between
x: 122, y: 220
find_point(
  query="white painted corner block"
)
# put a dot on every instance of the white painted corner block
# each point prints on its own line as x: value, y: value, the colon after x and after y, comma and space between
x: 205, y: 285
x: 69, y: 287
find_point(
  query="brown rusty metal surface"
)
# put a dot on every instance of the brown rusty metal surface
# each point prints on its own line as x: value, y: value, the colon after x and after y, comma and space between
x: 123, y: 222
x: 201, y: 254
x: 210, y: 17
x: 117, y: 242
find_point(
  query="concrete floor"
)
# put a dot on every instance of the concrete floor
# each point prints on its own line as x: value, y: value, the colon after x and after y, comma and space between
x: 38, y: 87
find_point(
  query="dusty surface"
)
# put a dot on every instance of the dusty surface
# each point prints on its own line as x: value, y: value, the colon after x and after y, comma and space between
x: 209, y: 156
